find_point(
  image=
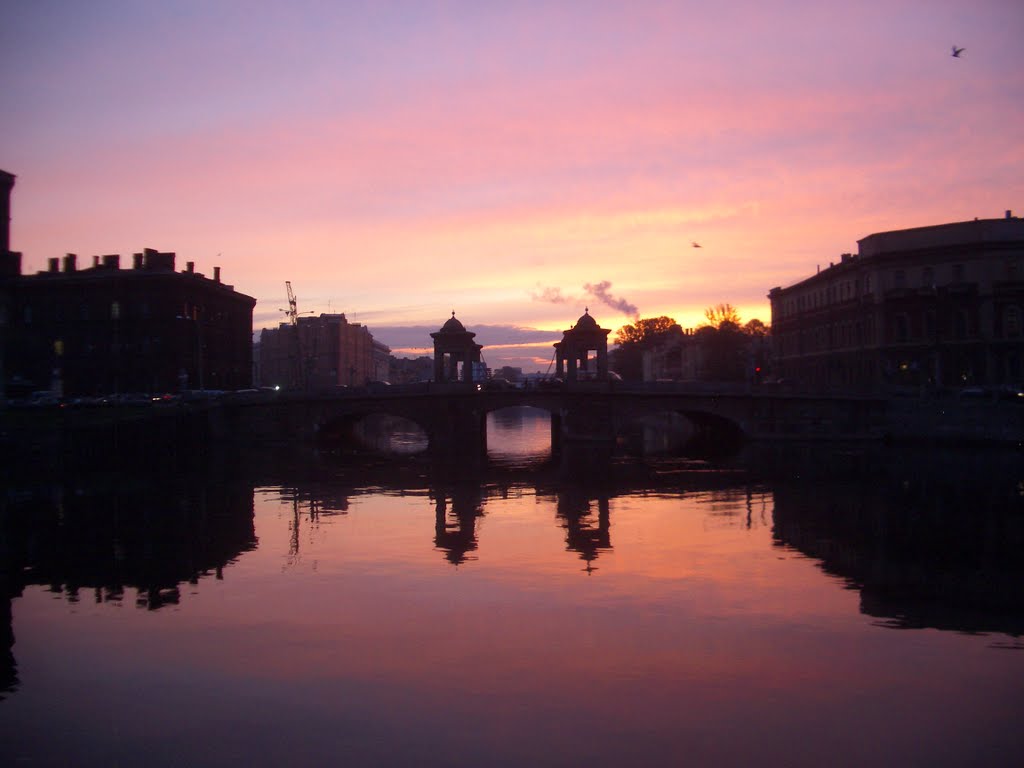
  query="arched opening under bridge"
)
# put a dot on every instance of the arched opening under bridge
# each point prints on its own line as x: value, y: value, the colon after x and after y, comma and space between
x: 519, y: 434
x: 691, y: 433
x: 377, y: 432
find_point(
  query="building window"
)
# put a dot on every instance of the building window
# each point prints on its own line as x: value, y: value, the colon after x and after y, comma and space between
x: 958, y: 273
x: 1011, y: 322
x: 899, y: 279
x: 902, y: 327
x: 960, y: 324
x: 929, y: 324
x: 928, y: 278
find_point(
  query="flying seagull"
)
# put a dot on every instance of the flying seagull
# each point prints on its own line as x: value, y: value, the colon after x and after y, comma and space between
x: 957, y: 52
x: 695, y: 244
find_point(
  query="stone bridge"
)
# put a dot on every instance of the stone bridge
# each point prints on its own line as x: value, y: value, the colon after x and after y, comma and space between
x: 454, y: 416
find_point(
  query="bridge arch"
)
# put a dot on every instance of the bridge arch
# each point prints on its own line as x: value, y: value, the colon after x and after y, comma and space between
x: 520, y: 432
x: 374, y: 427
x: 676, y: 427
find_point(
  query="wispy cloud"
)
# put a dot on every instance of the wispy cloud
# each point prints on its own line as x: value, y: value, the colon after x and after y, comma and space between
x: 600, y: 292
x: 550, y: 295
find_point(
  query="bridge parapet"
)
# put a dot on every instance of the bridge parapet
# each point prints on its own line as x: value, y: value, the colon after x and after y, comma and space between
x: 454, y: 417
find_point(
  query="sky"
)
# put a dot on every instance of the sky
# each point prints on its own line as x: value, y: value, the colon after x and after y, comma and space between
x: 517, y: 163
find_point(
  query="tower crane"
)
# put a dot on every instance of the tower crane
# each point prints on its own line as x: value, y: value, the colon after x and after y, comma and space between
x: 293, y: 305
x: 292, y: 313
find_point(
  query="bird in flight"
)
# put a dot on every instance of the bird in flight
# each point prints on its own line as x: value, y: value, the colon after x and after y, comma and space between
x: 957, y: 52
x: 695, y: 244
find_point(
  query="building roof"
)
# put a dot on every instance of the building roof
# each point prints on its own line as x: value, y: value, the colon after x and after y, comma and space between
x: 586, y: 322
x: 452, y: 325
x: 943, y: 235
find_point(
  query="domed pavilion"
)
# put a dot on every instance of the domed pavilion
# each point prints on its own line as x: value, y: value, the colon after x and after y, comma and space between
x: 454, y: 347
x: 574, y: 361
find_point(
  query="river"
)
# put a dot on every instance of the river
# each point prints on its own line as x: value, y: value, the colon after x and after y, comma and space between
x: 793, y: 605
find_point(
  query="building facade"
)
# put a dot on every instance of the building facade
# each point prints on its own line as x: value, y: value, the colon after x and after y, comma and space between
x: 98, y: 329
x: 931, y: 307
x: 105, y: 330
x: 321, y: 353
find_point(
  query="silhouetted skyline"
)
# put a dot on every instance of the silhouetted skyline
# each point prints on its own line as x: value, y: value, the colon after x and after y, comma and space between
x: 505, y: 161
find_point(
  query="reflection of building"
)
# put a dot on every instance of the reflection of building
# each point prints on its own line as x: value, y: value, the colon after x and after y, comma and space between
x: 320, y: 353
x: 100, y: 540
x: 940, y: 305
x: 102, y: 329
x: 931, y: 540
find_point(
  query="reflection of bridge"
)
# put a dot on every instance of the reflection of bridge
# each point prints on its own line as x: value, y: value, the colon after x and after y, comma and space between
x: 454, y: 416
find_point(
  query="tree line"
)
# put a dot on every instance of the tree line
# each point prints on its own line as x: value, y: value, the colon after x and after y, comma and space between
x: 730, y: 350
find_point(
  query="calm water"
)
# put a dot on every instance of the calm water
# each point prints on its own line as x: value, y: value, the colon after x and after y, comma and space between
x: 790, y: 607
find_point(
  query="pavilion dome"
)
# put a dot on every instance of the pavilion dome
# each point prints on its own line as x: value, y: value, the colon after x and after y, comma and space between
x: 453, y: 326
x: 586, y: 322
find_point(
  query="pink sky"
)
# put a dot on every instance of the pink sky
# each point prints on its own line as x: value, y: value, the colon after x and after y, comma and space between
x: 396, y: 161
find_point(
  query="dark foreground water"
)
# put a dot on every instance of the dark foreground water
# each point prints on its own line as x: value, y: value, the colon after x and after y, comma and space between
x: 792, y: 606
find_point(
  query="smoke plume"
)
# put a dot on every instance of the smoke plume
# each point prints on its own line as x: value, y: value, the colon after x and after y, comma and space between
x: 600, y: 292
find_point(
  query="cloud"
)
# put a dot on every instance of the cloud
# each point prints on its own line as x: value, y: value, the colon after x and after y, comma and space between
x: 417, y: 337
x: 550, y: 295
x: 600, y: 292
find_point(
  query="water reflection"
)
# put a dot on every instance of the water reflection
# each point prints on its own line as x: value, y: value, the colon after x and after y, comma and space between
x: 94, y: 537
x: 457, y: 507
x: 659, y: 601
x: 518, y: 434
x: 929, y: 538
x: 583, y: 533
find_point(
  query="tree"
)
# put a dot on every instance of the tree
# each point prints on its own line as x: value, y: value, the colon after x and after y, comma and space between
x: 724, y: 351
x: 647, y: 330
x: 756, y: 329
x: 633, y: 340
x: 722, y: 313
x: 732, y: 352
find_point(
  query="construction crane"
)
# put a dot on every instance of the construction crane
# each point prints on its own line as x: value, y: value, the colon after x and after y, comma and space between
x: 293, y: 305
x: 300, y: 374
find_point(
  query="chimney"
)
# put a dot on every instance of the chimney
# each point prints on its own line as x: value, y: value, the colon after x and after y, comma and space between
x: 95, y: 261
x: 55, y: 264
x: 1009, y: 214
x: 190, y: 267
x: 157, y: 261
x: 113, y: 261
x: 70, y: 262
x: 216, y: 274
x: 136, y: 261
x: 6, y: 185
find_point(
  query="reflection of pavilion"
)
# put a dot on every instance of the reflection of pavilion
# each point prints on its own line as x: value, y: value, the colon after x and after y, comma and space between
x: 583, y: 534
x: 455, y: 527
